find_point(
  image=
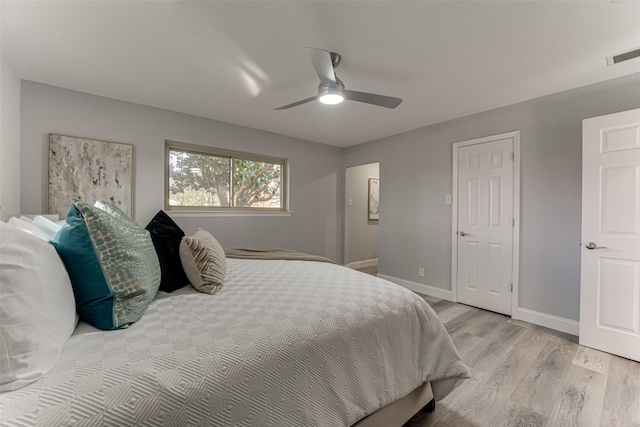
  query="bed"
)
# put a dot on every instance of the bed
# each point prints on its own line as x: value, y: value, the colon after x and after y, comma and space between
x: 283, y: 343
x: 225, y: 342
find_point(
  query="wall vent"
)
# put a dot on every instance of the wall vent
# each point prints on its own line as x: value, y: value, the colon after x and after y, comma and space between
x: 624, y: 56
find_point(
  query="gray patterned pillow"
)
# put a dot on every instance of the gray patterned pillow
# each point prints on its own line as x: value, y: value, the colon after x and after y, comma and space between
x: 112, y: 264
x: 203, y: 261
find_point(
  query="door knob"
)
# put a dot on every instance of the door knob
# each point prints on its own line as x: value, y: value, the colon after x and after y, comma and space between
x: 592, y: 246
x: 462, y: 233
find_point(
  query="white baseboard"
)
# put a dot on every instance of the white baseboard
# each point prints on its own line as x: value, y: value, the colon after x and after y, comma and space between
x: 535, y: 317
x: 547, y: 320
x: 362, y: 264
x: 419, y: 287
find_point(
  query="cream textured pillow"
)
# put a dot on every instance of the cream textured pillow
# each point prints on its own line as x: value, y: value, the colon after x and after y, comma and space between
x: 203, y: 261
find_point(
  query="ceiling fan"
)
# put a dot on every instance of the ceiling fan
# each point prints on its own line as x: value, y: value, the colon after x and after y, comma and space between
x: 331, y: 89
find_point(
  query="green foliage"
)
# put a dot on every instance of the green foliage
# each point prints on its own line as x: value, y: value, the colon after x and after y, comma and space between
x: 255, y: 183
x: 203, y: 180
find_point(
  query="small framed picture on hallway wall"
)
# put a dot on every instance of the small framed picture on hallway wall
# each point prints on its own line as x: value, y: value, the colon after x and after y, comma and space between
x: 374, y: 199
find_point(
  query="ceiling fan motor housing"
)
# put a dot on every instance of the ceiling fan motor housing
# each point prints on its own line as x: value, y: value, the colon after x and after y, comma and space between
x: 335, y: 59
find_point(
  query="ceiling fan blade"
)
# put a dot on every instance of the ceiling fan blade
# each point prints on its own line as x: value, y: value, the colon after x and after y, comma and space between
x: 372, y: 98
x: 295, y: 104
x: 321, y: 61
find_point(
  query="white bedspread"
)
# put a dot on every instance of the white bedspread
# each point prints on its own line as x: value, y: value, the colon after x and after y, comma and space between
x: 284, y: 343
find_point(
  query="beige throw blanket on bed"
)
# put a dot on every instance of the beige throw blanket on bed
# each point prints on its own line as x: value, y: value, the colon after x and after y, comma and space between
x: 273, y: 253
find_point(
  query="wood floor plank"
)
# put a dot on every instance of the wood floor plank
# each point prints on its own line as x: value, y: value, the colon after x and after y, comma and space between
x: 459, y: 322
x: 592, y: 359
x: 514, y: 415
x: 541, y: 386
x: 429, y: 298
x: 484, y: 402
x: 464, y: 341
x: 581, y: 400
x: 477, y: 322
x: 562, y: 385
x: 562, y: 336
x: 614, y: 419
x: 441, y: 305
x: 453, y: 312
x: 485, y: 355
x: 622, y: 396
x: 486, y: 324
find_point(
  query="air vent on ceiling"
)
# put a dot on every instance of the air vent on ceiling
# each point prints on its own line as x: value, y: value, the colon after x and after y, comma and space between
x: 624, y: 56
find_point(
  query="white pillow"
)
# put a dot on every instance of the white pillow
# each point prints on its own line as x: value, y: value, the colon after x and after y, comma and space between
x: 29, y: 228
x: 37, y: 308
x: 46, y: 225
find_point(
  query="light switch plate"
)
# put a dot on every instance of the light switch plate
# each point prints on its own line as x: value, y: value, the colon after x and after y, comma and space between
x: 447, y: 199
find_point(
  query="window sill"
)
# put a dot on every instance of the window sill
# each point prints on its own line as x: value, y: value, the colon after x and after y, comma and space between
x: 231, y: 213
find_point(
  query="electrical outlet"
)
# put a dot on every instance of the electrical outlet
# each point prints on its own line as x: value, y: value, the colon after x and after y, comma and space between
x: 420, y: 272
x: 447, y: 199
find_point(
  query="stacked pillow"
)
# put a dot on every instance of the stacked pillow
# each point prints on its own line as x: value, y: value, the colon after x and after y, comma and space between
x: 27, y: 225
x: 204, y: 261
x: 37, y: 308
x: 112, y: 274
x: 111, y: 261
x: 166, y: 237
x: 197, y: 259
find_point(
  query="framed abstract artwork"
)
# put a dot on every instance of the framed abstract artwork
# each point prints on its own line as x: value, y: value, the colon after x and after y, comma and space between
x: 374, y: 199
x: 89, y: 170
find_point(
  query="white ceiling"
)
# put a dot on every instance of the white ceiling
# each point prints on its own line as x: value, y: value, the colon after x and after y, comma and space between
x: 237, y: 61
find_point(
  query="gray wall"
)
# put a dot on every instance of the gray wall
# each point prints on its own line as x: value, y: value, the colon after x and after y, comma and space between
x: 316, y: 175
x: 9, y: 142
x: 416, y: 173
x: 360, y: 234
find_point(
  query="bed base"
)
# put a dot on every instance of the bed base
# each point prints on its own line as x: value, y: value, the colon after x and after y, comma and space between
x: 399, y: 412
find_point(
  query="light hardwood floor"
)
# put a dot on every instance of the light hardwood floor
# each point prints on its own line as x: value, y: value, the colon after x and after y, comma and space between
x: 526, y: 375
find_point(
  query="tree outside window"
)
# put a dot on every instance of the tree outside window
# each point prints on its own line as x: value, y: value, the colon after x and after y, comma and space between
x: 210, y: 180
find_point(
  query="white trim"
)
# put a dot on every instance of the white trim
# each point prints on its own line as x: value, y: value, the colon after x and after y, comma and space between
x: 515, y: 268
x: 362, y: 264
x: 530, y: 316
x: 548, y: 321
x: 419, y: 287
x: 515, y: 275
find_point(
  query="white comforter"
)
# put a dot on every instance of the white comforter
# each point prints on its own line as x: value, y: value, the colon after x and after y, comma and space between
x: 284, y: 343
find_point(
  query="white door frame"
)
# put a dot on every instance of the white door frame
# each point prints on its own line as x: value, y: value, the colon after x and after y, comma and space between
x: 516, y: 214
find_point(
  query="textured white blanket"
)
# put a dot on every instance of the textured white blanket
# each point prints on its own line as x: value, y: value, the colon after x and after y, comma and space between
x: 284, y: 343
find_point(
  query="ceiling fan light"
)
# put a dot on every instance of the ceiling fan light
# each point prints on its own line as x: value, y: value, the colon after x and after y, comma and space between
x: 331, y: 98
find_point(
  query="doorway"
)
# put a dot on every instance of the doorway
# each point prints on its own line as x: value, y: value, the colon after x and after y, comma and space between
x: 360, y: 228
x: 610, y: 267
x: 485, y: 222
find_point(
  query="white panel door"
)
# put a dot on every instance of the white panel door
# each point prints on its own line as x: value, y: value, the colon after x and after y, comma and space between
x: 610, y: 275
x: 485, y: 230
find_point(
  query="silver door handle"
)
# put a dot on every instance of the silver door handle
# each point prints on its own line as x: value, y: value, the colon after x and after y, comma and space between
x: 462, y: 233
x: 592, y: 246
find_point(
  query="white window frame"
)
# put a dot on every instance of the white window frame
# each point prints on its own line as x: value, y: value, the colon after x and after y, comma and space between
x: 187, y: 211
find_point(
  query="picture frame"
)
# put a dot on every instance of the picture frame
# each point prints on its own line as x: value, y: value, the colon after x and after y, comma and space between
x: 374, y: 199
x: 91, y: 170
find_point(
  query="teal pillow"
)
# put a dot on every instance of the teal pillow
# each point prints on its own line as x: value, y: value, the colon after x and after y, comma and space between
x: 111, y: 261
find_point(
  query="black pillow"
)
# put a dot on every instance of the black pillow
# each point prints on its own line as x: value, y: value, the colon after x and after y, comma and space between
x: 166, y: 237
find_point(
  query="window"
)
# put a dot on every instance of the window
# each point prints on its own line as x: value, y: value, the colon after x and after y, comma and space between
x: 203, y: 178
